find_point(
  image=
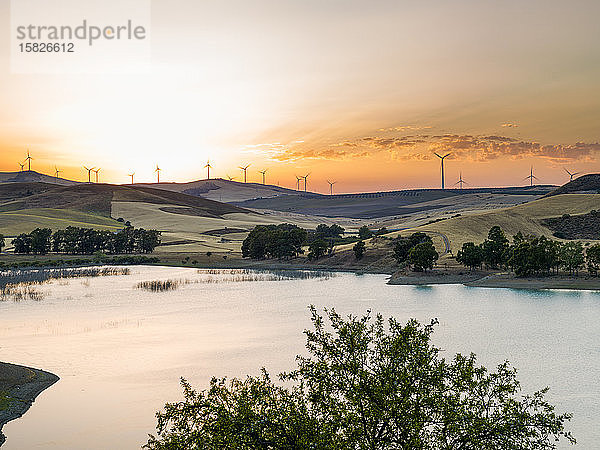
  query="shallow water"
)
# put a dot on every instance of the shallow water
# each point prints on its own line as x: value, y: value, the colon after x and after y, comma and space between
x: 120, y: 351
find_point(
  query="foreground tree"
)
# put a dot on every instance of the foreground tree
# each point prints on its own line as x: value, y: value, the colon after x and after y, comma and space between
x: 366, y: 384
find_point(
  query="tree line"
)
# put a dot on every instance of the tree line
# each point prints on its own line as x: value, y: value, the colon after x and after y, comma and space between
x: 529, y: 255
x: 287, y: 241
x: 86, y: 241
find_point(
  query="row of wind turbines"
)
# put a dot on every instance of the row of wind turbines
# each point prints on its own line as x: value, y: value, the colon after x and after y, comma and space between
x: 299, y: 179
x: 462, y: 182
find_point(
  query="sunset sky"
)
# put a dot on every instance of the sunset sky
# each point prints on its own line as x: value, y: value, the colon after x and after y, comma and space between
x: 361, y: 92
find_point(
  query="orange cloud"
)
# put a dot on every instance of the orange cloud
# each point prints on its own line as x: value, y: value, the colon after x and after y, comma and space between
x: 462, y: 146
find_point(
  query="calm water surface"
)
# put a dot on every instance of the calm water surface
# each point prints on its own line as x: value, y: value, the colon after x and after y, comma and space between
x: 120, y: 351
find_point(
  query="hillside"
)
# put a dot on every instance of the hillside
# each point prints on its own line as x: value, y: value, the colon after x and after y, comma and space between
x: 585, y: 184
x: 527, y: 218
x: 579, y: 226
x: 401, y: 204
x: 31, y: 176
x: 223, y: 190
x: 25, y: 206
x: 98, y: 198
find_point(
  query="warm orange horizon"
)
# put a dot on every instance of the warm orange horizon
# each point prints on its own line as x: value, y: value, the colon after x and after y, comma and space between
x: 354, y: 92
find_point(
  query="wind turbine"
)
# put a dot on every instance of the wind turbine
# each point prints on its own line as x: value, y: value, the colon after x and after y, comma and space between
x: 157, y: 170
x: 305, y: 177
x: 56, y: 172
x: 331, y: 183
x: 207, y: 167
x: 442, y: 158
x: 298, y: 182
x: 96, y: 172
x: 131, y: 175
x: 460, y: 181
x: 572, y: 174
x: 230, y: 178
x: 263, y: 174
x: 531, y: 177
x: 28, y: 160
x: 22, y: 166
x: 245, y: 169
x: 89, y: 173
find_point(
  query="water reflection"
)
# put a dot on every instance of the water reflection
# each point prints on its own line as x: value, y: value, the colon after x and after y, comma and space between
x: 120, y: 351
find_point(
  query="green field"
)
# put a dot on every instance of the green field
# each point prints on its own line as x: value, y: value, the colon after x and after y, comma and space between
x: 13, y: 223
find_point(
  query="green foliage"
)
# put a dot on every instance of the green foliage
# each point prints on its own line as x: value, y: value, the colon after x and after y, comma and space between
x: 422, y: 256
x: 87, y: 241
x: 530, y: 255
x: 403, y: 245
x: 364, y: 233
x: 5, y: 401
x: 317, y: 249
x: 571, y: 257
x: 593, y: 259
x: 470, y: 255
x: 22, y: 243
x: 274, y: 241
x: 328, y: 232
x: 495, y: 247
x: 359, y: 250
x: 366, y: 384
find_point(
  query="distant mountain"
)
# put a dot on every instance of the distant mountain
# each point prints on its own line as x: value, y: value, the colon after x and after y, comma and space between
x: 31, y: 176
x: 226, y: 191
x: 585, y: 184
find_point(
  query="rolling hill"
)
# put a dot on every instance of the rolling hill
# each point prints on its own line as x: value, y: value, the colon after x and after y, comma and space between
x: 25, y: 206
x: 377, y: 205
x: 585, y: 184
x: 527, y: 218
x: 31, y: 176
x: 224, y: 190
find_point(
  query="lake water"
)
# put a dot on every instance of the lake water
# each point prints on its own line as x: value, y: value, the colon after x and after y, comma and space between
x: 120, y: 351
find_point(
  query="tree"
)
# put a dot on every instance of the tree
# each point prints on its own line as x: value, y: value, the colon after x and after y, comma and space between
x: 359, y: 250
x: 494, y: 247
x: 366, y: 384
x: 364, y: 233
x: 22, y: 243
x: 317, y: 249
x: 571, y: 257
x: 470, y: 255
x: 40, y: 240
x: 593, y: 259
x: 403, y: 245
x: 274, y: 241
x: 422, y: 256
x: 2, y: 243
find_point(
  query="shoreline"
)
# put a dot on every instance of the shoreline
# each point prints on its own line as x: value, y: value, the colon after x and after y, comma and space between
x: 19, y: 387
x: 439, y: 275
